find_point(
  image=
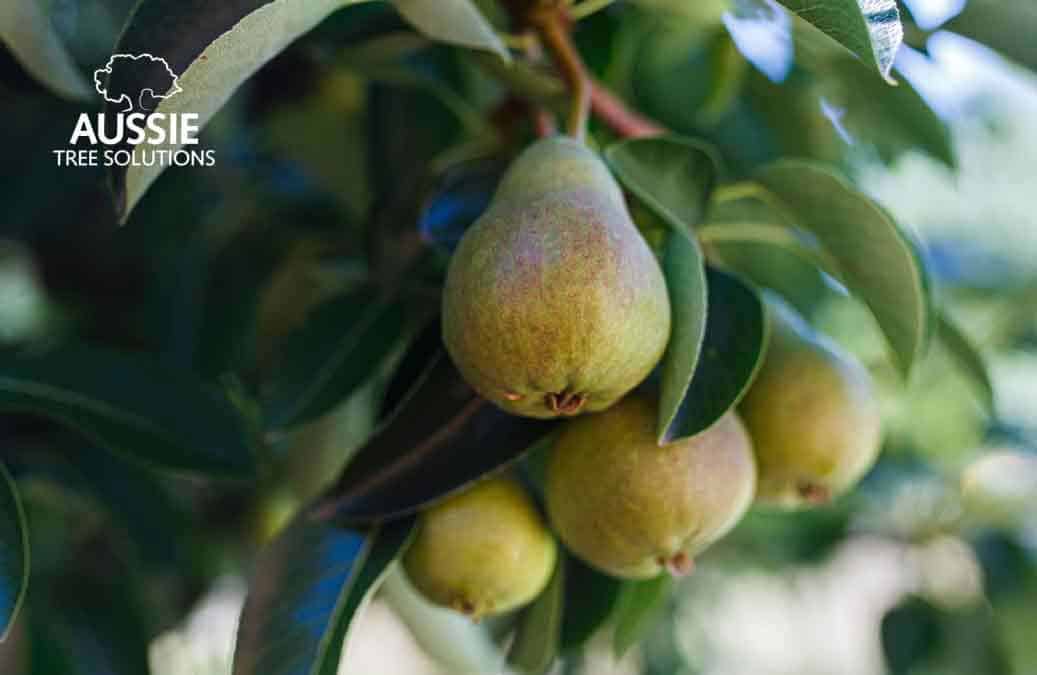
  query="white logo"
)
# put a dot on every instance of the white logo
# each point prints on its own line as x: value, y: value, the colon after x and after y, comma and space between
x: 148, y: 61
x: 137, y: 135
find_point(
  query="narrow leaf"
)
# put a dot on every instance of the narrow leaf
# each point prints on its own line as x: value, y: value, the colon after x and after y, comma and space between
x: 458, y: 22
x: 212, y: 47
x: 307, y: 589
x: 441, y: 438
x: 641, y: 604
x: 967, y: 358
x: 871, y: 29
x: 14, y: 553
x: 131, y: 405
x: 685, y: 272
x: 877, y: 261
x: 338, y: 349
x: 673, y: 176
x: 536, y: 642
x: 28, y: 33
x: 733, y: 349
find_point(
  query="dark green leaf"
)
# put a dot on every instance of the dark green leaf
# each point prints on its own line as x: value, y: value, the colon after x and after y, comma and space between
x: 968, y: 359
x: 641, y: 604
x: 536, y: 642
x: 441, y: 438
x: 911, y: 633
x: 339, y: 347
x: 870, y: 29
x: 455, y: 21
x: 732, y: 351
x: 131, y: 405
x: 673, y: 176
x: 590, y: 598
x: 685, y: 272
x: 28, y: 32
x: 14, y: 552
x: 213, y: 48
x: 307, y: 589
x: 876, y: 260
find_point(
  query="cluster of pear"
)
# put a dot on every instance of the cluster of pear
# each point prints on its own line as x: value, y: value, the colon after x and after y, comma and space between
x: 555, y: 306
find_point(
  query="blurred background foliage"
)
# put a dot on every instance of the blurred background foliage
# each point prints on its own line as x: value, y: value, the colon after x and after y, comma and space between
x: 338, y: 173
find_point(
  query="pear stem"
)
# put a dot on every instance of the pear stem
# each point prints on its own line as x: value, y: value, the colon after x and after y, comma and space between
x: 552, y: 25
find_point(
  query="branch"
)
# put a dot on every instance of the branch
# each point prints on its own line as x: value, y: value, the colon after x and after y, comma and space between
x: 619, y: 117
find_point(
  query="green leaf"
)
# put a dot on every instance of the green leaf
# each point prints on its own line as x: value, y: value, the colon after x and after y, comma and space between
x: 29, y: 34
x: 341, y: 345
x: 536, y: 642
x: 673, y: 176
x: 458, y: 22
x: 641, y: 604
x: 590, y: 598
x: 733, y: 349
x: 1006, y: 26
x: 441, y: 438
x: 967, y: 358
x: 214, y: 48
x: 876, y: 260
x: 132, y: 405
x: 685, y: 271
x: 308, y: 587
x: 893, y: 119
x: 14, y: 552
x: 871, y: 29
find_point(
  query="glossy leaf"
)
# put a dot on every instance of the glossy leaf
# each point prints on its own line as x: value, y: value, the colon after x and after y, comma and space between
x: 213, y: 48
x: 340, y: 346
x: 967, y: 358
x: 537, y: 640
x: 441, y: 438
x: 640, y: 606
x: 590, y: 599
x: 871, y: 29
x: 308, y: 587
x: 876, y: 260
x: 131, y: 405
x: 673, y: 176
x: 732, y: 351
x: 14, y: 553
x: 455, y: 21
x: 27, y: 31
x: 685, y: 272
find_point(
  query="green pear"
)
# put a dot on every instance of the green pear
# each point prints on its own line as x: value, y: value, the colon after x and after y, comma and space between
x: 484, y: 551
x: 812, y: 414
x: 554, y: 304
x: 634, y: 508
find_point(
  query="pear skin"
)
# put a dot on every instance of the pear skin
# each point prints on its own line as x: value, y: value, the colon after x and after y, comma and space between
x: 634, y: 509
x: 812, y: 414
x: 482, y: 552
x: 554, y: 305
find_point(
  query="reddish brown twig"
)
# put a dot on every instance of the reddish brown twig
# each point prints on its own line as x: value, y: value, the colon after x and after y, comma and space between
x: 626, y: 122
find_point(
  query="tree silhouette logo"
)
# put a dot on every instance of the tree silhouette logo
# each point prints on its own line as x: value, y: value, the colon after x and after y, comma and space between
x: 114, y: 81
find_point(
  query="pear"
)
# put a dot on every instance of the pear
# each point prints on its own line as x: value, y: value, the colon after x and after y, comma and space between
x: 554, y: 304
x: 482, y: 552
x: 634, y: 508
x: 812, y: 414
